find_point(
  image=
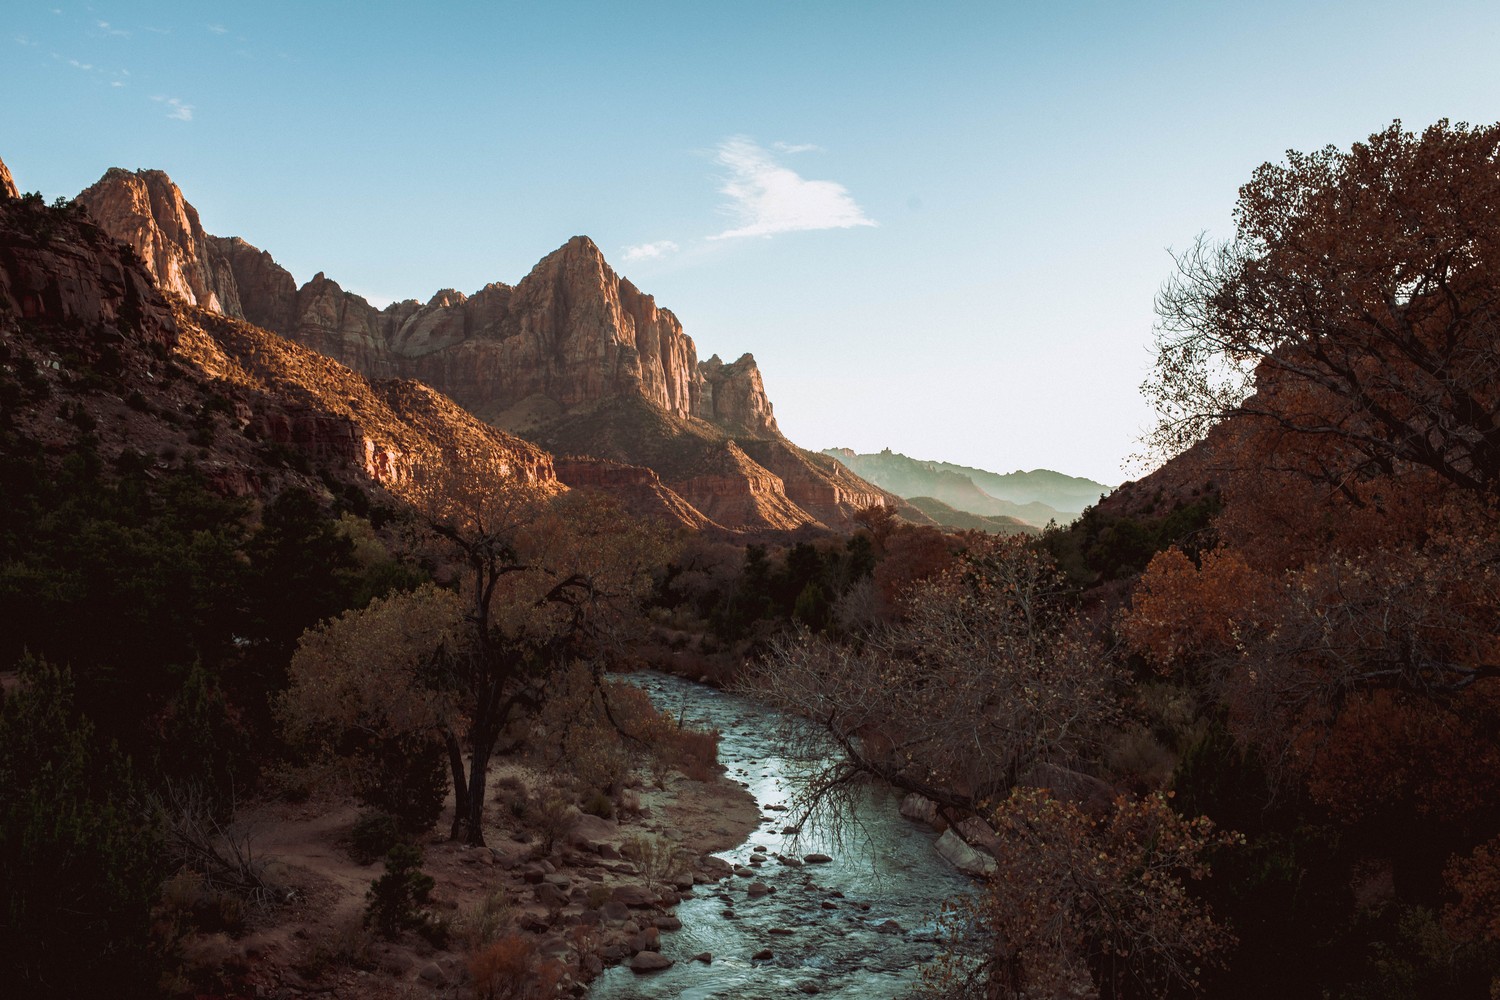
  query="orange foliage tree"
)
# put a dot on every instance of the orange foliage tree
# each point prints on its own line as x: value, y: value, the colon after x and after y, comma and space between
x: 1356, y: 305
x: 1089, y: 906
x: 544, y: 581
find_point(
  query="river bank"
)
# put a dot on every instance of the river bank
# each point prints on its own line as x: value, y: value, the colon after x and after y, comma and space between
x: 848, y: 912
x: 578, y: 907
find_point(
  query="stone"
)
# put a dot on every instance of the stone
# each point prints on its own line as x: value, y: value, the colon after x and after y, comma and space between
x: 816, y: 859
x: 921, y: 809
x: 706, y: 957
x: 634, y: 896
x: 963, y: 857
x: 434, y: 974
x: 550, y: 896
x: 763, y: 955
x: 757, y: 889
x: 649, y: 961
x: 591, y: 832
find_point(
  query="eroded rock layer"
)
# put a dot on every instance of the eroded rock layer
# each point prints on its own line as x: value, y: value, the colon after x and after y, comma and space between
x: 547, y: 358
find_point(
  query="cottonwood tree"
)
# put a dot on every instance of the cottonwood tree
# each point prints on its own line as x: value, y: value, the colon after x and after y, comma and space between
x: 543, y: 581
x: 1356, y: 305
x: 1372, y: 675
x: 988, y: 681
x: 1088, y: 905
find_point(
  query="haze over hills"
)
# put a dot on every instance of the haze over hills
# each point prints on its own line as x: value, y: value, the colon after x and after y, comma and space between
x: 1033, y: 498
x: 573, y: 357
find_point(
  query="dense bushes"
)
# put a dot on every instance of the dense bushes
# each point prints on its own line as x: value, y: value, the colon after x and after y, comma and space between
x: 81, y: 855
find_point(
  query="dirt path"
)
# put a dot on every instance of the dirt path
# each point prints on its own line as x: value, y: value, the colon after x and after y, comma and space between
x: 313, y: 942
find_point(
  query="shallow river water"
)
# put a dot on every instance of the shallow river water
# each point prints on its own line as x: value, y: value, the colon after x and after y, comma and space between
x: 839, y: 915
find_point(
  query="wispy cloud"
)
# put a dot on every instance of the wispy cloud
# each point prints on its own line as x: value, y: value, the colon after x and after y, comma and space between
x: 109, y: 29
x: 769, y: 198
x: 80, y: 65
x: 217, y: 29
x: 176, y: 109
x: 650, y: 251
x: 796, y: 147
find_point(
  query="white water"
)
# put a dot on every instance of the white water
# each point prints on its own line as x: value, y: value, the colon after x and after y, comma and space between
x: 886, y: 862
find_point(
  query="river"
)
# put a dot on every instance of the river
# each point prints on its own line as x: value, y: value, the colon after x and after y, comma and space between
x: 861, y: 925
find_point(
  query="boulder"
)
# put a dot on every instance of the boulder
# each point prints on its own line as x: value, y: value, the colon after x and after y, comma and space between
x: 921, y: 809
x: 963, y: 857
x: 649, y: 961
x: 634, y: 896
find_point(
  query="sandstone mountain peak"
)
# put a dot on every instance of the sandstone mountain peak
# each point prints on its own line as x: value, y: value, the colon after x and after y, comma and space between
x: 148, y: 211
x: 549, y: 358
x: 7, y: 183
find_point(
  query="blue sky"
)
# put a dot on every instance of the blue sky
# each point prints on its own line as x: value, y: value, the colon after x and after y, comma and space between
x: 938, y: 226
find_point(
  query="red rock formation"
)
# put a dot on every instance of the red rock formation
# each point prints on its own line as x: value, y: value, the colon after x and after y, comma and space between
x: 818, y: 484
x: 266, y: 290
x: 7, y: 183
x: 637, y: 487
x: 54, y: 270
x: 562, y: 346
x: 734, y: 397
x: 146, y: 210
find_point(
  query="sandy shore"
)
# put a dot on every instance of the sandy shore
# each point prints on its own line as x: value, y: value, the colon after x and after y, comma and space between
x: 584, y: 904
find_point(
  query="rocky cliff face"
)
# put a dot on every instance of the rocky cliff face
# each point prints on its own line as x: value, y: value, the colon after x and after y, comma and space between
x: 7, y: 184
x: 734, y: 397
x: 572, y: 332
x: 561, y: 347
x: 55, y: 269
x: 146, y: 210
x: 90, y: 343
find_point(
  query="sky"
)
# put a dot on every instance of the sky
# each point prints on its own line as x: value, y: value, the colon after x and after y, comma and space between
x: 939, y: 227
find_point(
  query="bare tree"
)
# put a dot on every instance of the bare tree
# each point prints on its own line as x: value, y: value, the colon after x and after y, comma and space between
x: 987, y: 679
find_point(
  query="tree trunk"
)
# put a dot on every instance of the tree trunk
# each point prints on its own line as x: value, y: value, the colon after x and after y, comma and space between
x: 479, y: 767
x: 460, y: 784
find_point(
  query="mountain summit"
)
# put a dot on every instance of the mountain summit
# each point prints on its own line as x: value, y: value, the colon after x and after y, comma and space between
x: 573, y: 356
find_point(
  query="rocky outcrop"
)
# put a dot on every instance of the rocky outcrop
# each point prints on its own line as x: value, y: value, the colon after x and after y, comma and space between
x: 146, y: 210
x: 734, y: 397
x: 7, y: 183
x: 638, y: 488
x: 738, y: 492
x: 267, y: 291
x: 90, y: 342
x: 816, y: 483
x: 398, y: 433
x: 54, y: 269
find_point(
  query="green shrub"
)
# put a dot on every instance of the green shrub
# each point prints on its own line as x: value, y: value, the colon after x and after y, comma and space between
x: 373, y: 836
x: 81, y: 859
x: 406, y: 777
x: 395, y: 898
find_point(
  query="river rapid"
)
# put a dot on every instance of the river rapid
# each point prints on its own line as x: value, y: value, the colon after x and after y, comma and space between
x: 861, y: 925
